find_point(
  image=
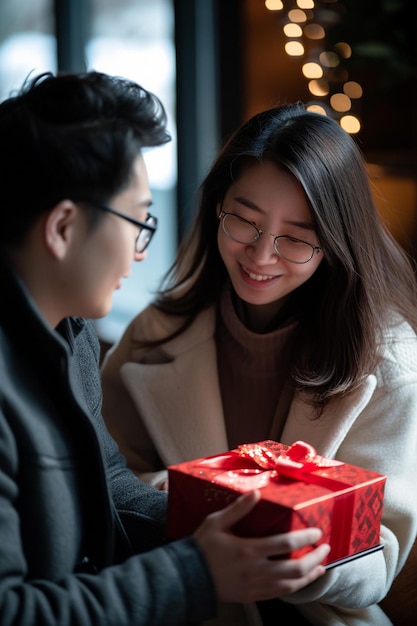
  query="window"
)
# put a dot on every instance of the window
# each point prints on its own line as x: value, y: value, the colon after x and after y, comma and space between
x: 131, y: 39
x: 27, y: 42
x: 136, y: 40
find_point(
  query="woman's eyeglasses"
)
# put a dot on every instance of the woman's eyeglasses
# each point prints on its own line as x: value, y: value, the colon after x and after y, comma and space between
x: 288, y: 248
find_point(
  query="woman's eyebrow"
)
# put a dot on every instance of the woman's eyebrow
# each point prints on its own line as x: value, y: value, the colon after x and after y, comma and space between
x: 300, y: 224
x: 247, y: 203
x: 306, y: 225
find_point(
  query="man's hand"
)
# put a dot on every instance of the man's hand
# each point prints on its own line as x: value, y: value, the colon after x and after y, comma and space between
x: 242, y: 568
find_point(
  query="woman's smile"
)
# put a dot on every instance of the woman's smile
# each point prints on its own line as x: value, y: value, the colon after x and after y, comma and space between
x: 255, y: 276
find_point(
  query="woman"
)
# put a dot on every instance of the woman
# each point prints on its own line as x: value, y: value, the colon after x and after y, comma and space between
x: 290, y: 313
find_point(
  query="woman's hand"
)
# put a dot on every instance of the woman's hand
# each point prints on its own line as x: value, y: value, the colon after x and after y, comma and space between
x: 244, y: 569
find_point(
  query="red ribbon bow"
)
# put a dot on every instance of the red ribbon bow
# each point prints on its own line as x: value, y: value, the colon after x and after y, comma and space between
x: 298, y: 459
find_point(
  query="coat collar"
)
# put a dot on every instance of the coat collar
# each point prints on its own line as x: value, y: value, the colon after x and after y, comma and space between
x: 326, y: 434
x: 180, y: 402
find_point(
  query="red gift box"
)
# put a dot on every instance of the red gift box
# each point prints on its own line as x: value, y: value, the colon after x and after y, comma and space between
x: 299, y: 489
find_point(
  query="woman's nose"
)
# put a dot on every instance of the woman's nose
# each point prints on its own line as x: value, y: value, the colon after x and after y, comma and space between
x: 262, y: 251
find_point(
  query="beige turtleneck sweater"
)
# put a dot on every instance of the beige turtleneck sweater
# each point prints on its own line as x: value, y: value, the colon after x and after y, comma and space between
x: 254, y: 376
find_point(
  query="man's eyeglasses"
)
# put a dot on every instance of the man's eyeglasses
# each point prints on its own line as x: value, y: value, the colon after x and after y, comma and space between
x: 288, y: 248
x: 146, y: 229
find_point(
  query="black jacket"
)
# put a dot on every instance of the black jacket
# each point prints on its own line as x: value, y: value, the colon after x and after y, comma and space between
x: 72, y: 516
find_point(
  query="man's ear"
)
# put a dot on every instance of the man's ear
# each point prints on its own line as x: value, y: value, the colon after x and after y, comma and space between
x: 59, y: 227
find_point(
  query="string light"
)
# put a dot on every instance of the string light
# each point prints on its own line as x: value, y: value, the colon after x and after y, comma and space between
x: 319, y: 87
x: 274, y: 5
x: 350, y: 123
x: 305, y: 4
x: 312, y: 70
x: 305, y: 26
x: 340, y: 102
x: 314, y: 31
x: 316, y: 108
x: 353, y: 89
x: 292, y: 30
x: 294, y: 48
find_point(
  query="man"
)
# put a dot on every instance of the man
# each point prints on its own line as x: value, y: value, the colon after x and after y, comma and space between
x: 82, y: 540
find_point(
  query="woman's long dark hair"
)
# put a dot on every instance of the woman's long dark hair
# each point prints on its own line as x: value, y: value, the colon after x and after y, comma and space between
x: 365, y: 278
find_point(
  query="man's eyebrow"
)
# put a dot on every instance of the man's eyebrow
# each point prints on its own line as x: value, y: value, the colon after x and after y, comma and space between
x: 148, y: 202
x: 306, y: 225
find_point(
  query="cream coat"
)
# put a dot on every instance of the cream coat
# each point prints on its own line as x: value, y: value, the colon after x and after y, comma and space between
x: 164, y: 406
